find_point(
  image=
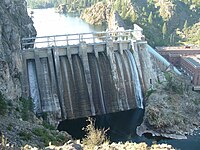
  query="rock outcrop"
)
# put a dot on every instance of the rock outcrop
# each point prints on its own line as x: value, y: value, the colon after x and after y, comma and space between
x: 14, y: 25
x: 96, y: 14
x: 172, y: 110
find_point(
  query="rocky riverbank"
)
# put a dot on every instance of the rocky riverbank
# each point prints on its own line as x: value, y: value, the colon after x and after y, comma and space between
x: 172, y: 109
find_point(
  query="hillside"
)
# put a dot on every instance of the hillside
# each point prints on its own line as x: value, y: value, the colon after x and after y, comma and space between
x: 162, y: 20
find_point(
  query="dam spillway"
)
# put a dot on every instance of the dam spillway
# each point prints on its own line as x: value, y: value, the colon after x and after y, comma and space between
x: 84, y: 79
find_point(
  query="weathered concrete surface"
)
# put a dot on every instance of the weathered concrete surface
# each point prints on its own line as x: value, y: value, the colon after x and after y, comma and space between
x: 81, y: 80
x: 148, y: 71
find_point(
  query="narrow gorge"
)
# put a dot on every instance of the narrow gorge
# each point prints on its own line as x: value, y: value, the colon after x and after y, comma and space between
x: 111, y: 76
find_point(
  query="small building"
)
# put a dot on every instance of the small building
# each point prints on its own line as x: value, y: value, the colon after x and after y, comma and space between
x: 191, y: 65
x: 186, y: 58
x: 173, y: 54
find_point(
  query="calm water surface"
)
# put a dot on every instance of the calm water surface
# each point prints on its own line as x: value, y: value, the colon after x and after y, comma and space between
x: 47, y: 22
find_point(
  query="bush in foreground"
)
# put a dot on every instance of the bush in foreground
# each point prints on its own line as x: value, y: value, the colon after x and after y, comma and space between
x: 94, y: 137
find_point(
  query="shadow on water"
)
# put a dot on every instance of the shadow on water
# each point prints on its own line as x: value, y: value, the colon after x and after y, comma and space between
x: 122, y: 125
x: 123, y: 128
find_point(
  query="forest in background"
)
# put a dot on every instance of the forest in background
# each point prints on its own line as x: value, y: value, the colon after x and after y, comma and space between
x: 165, y: 22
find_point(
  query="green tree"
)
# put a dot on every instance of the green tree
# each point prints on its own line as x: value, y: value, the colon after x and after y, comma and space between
x: 150, y: 18
x: 118, y: 5
x: 185, y: 25
x: 123, y: 9
x: 3, y: 104
x: 164, y: 29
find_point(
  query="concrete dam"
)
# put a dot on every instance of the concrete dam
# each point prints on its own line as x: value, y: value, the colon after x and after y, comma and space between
x: 80, y: 75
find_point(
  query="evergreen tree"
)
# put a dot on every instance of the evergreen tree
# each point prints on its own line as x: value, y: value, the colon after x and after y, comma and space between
x: 185, y: 25
x: 118, y: 5
x: 164, y: 29
x: 150, y: 18
x: 123, y: 9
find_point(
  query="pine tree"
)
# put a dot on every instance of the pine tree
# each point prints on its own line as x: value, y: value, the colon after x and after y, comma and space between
x: 185, y: 28
x: 185, y: 25
x: 164, y: 29
x: 118, y: 5
x: 150, y: 18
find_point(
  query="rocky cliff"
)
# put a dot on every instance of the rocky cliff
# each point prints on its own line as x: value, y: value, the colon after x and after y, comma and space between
x: 14, y: 25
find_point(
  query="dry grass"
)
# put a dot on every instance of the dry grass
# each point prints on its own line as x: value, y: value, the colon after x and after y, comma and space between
x: 94, y: 137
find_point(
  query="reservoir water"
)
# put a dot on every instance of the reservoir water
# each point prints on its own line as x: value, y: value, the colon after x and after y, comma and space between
x: 48, y: 23
x: 122, y: 125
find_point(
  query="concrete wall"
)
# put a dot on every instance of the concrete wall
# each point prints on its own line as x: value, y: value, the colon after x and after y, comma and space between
x: 82, y: 80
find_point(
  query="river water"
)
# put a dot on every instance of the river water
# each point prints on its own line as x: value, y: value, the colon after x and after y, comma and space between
x: 47, y: 23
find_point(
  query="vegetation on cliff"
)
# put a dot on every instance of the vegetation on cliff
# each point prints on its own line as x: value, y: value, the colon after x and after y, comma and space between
x: 161, y: 19
x: 3, y: 104
x: 19, y: 126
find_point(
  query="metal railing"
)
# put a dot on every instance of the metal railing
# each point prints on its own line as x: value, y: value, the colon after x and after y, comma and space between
x: 72, y: 39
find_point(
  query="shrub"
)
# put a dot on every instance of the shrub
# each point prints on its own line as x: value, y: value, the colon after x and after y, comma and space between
x: 173, y: 84
x: 149, y: 92
x: 44, y: 135
x: 27, y: 107
x: 48, y: 126
x: 9, y: 127
x: 3, y: 104
x: 94, y: 137
x: 25, y: 136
